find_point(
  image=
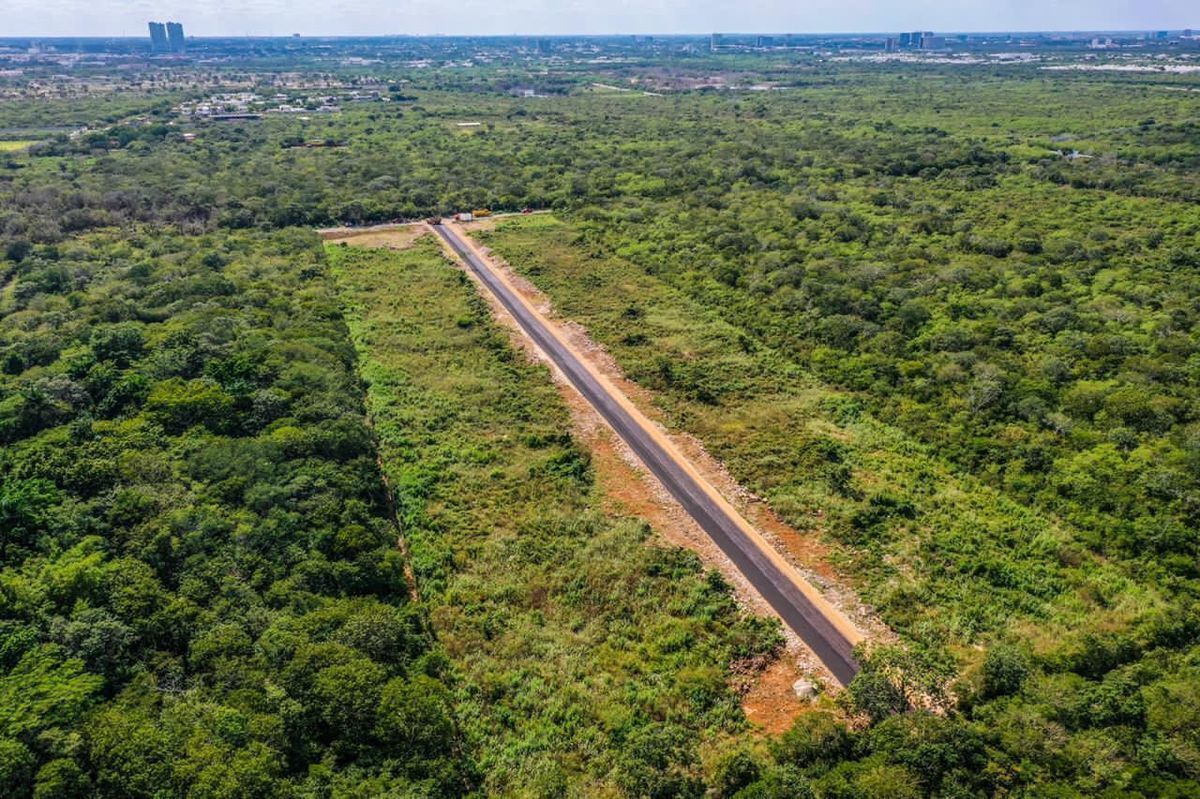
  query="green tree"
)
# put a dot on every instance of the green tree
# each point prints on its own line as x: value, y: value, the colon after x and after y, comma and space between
x: 62, y: 779
x: 179, y: 404
x: 44, y: 690
x: 415, y: 716
x: 16, y: 768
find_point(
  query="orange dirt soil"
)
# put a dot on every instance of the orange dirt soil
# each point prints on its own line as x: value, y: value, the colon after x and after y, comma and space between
x: 770, y: 703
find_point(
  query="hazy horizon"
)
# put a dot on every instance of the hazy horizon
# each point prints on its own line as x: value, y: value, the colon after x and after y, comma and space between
x: 103, y: 18
x: 585, y: 35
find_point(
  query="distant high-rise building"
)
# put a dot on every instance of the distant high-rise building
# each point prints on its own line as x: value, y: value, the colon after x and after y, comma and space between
x: 175, y: 36
x: 716, y: 41
x: 891, y: 45
x: 158, y: 37
x: 906, y: 40
x: 914, y: 39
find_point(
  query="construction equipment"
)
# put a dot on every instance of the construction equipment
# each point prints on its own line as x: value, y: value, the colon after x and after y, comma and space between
x: 480, y: 213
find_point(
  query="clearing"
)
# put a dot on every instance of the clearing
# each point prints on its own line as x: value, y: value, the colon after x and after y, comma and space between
x: 627, y: 488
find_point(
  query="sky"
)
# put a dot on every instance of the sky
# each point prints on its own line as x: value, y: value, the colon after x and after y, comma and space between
x: 549, y: 17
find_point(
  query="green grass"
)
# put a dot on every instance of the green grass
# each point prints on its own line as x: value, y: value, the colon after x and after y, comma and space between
x: 571, y: 634
x: 15, y: 146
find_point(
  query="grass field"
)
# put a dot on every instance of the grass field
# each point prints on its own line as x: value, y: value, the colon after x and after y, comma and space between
x: 574, y: 640
x: 15, y: 146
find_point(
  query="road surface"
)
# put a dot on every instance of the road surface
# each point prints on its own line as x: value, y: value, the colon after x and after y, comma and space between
x: 830, y: 636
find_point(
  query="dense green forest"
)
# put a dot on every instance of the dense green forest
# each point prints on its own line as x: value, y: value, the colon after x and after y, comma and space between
x: 943, y: 317
x: 201, y: 592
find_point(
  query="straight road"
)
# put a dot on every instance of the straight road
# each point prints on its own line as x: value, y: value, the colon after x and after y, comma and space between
x: 830, y: 636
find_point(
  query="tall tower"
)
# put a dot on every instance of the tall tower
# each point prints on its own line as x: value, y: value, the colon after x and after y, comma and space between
x: 158, y: 37
x: 175, y: 36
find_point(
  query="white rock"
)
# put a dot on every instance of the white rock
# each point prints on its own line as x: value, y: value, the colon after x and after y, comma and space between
x: 805, y: 689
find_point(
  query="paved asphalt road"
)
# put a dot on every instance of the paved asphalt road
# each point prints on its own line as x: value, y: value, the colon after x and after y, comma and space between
x: 797, y: 610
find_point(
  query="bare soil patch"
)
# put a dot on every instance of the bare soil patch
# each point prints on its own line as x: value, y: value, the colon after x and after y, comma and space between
x: 770, y: 703
x: 394, y: 237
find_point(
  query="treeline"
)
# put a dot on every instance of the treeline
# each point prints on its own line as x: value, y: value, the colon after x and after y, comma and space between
x: 200, y: 591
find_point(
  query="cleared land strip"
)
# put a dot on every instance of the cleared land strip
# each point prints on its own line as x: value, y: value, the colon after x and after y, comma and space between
x: 831, y: 637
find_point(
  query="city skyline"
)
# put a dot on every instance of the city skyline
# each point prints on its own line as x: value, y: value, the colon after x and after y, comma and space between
x: 540, y: 17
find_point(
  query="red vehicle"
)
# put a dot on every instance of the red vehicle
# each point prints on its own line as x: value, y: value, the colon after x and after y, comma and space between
x: 527, y: 210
